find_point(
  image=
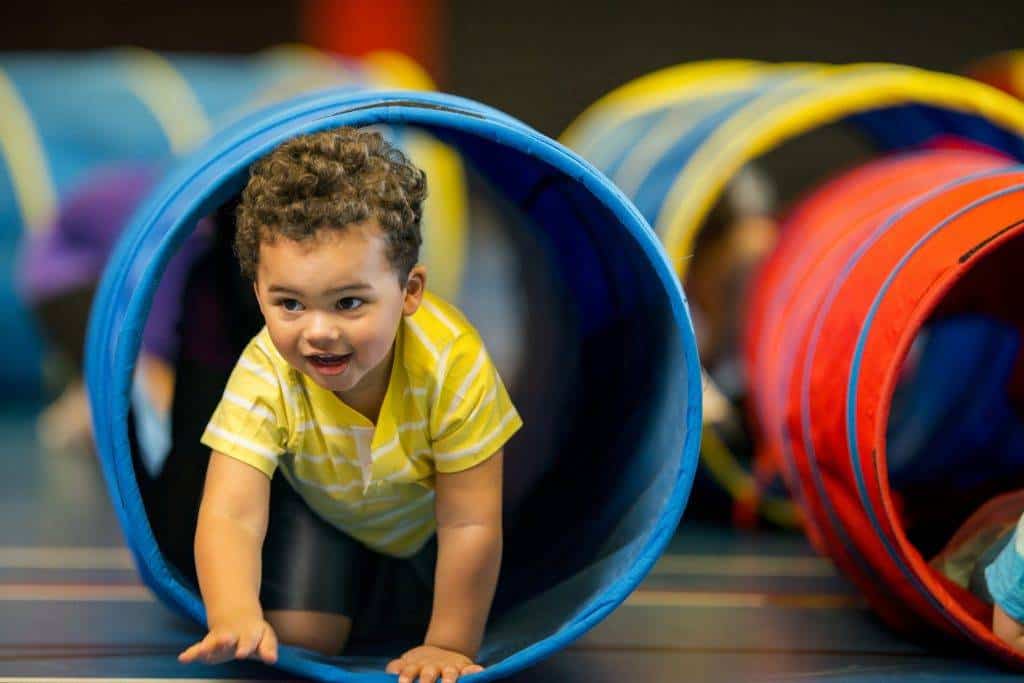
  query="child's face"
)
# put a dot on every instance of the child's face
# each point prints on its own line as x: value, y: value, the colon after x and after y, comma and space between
x: 333, y: 304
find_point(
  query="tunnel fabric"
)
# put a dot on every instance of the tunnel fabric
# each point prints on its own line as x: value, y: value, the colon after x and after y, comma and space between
x: 869, y: 281
x: 621, y: 518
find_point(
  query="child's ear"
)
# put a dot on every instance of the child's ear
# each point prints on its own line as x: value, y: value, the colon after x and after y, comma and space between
x: 415, y: 286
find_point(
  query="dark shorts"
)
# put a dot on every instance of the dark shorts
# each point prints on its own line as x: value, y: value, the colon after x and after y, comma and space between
x: 311, y: 566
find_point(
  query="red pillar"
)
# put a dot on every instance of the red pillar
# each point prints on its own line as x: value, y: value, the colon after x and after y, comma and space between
x: 356, y: 27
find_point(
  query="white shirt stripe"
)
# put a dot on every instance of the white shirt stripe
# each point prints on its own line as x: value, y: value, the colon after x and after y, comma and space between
x: 453, y: 414
x: 328, y: 488
x: 406, y: 470
x: 244, y: 443
x: 481, y: 357
x: 378, y: 500
x: 349, y: 508
x: 257, y: 370
x: 440, y: 372
x: 403, y: 529
x: 440, y: 316
x: 352, y: 431
x: 383, y: 518
x: 422, y: 336
x: 262, y: 347
x: 482, y: 443
x: 380, y: 451
x: 268, y: 377
x: 249, y: 406
x: 333, y: 458
x: 286, y: 386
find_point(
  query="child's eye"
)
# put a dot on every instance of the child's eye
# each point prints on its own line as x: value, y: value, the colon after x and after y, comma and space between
x: 349, y: 303
x: 290, y: 305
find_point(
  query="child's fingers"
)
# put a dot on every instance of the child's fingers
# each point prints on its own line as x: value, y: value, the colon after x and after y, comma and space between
x: 449, y: 674
x: 205, y: 649
x: 219, y: 647
x: 247, y: 644
x: 429, y: 673
x: 408, y: 673
x: 395, y: 666
x: 191, y: 653
x: 267, y: 649
x: 471, y: 669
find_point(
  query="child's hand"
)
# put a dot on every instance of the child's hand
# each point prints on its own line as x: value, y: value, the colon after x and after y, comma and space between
x: 429, y: 662
x: 1007, y: 629
x: 238, y: 639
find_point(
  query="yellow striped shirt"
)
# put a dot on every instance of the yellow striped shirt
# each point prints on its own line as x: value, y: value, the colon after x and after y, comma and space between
x: 445, y: 410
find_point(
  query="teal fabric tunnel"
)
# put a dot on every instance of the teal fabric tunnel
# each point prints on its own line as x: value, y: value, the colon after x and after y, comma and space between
x: 615, y: 479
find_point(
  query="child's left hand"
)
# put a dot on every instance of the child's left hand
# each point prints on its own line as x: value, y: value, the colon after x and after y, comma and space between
x: 429, y: 663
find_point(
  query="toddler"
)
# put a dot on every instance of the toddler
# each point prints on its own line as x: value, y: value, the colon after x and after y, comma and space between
x: 379, y: 406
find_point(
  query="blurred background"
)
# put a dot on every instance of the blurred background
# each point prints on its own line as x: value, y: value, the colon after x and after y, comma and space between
x: 113, y: 92
x: 543, y: 62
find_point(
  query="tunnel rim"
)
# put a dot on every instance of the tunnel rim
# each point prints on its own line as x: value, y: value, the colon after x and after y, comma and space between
x: 901, y: 550
x: 109, y: 371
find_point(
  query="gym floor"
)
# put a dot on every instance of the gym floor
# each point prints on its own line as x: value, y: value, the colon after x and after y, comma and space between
x: 720, y: 605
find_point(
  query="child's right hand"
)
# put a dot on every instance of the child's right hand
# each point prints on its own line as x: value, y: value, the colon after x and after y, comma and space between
x: 1008, y: 629
x: 235, y: 639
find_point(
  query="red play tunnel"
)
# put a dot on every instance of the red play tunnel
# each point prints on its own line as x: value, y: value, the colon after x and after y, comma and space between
x: 884, y: 354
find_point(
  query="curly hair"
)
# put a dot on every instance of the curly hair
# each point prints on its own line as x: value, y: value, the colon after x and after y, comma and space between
x: 329, y: 180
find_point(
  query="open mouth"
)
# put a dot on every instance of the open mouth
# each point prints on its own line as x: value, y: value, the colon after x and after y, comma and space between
x: 329, y: 363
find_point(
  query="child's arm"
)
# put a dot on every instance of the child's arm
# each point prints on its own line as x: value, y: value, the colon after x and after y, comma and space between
x: 1005, y: 580
x: 229, y: 539
x: 469, y: 545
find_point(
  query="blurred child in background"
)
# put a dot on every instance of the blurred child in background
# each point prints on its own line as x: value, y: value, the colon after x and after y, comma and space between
x: 59, y: 272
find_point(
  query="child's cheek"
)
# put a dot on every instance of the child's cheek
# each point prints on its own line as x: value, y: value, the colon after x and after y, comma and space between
x: 376, y: 347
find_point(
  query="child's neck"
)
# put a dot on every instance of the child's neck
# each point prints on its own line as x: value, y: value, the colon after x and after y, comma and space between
x: 367, y: 397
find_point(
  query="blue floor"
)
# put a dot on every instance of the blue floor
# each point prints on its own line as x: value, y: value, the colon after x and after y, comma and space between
x: 720, y: 606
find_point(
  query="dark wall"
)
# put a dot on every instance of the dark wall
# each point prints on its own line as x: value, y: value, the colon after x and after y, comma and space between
x: 545, y: 60
x: 179, y: 25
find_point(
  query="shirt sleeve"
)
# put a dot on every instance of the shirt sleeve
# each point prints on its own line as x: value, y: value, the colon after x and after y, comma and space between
x: 1005, y: 576
x: 473, y: 416
x: 250, y: 422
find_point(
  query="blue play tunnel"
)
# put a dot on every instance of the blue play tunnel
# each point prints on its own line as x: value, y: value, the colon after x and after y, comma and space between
x: 616, y: 472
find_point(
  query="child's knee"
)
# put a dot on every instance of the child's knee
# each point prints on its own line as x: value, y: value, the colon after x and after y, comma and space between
x: 320, y: 632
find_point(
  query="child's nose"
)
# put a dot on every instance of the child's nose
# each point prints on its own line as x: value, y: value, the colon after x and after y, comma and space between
x: 323, y: 329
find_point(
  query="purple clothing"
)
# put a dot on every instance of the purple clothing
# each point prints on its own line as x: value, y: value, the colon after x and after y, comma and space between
x: 71, y: 253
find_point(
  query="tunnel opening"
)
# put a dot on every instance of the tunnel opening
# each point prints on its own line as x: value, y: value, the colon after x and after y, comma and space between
x: 601, y: 352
